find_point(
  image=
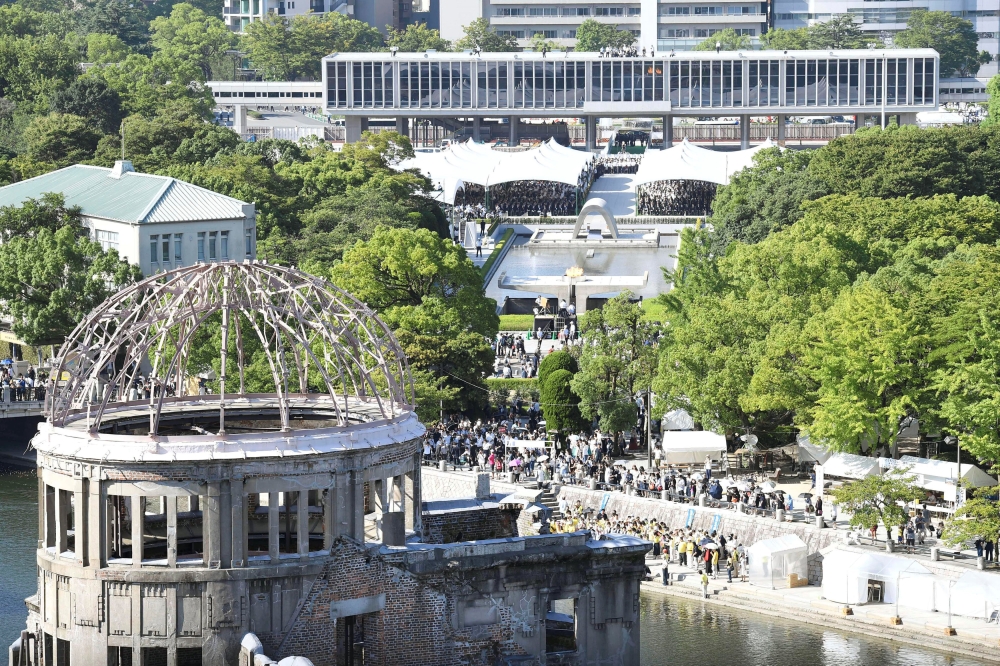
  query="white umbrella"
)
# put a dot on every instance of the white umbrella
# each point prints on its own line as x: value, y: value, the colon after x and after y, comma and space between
x: 769, y: 487
x: 742, y: 486
x: 542, y: 458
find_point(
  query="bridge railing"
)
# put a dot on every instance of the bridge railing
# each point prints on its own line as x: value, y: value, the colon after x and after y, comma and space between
x: 27, y: 395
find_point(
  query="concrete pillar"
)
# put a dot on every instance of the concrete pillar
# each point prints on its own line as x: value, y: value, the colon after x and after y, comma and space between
x: 401, y: 125
x: 477, y: 129
x: 339, y: 505
x: 42, y: 513
x: 96, y: 524
x: 211, y: 527
x: 590, y: 123
x: 238, y: 526
x: 272, y: 527
x: 781, y: 130
x: 240, y: 118
x: 668, y: 131
x: 907, y: 119
x: 138, y: 518
x: 358, y: 508
x: 744, y: 132
x: 302, y: 527
x: 779, y: 515
x: 354, y: 126
x: 329, y: 521
x: 171, y: 510
x: 515, y: 137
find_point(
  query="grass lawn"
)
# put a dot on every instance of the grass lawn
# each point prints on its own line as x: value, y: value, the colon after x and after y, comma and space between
x: 652, y: 310
x: 521, y: 322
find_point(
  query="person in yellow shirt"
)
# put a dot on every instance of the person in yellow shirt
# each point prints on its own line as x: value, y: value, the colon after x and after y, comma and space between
x: 715, y: 563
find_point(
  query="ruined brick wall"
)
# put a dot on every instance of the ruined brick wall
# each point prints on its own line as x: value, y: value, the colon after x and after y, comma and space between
x: 414, y: 629
x: 472, y: 525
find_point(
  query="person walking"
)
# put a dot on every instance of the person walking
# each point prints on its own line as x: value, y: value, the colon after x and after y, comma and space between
x: 704, y: 584
x: 730, y: 565
x: 479, y: 246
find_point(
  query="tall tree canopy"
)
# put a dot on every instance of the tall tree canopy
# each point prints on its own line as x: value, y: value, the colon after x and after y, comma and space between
x: 479, y: 35
x: 594, y: 36
x: 953, y: 37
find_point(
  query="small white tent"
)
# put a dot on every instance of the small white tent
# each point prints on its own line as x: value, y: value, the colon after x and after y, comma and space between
x: 976, y: 594
x: 778, y: 563
x: 849, y: 576
x: 690, y: 447
x: 850, y: 466
x: 939, y: 475
x: 809, y: 452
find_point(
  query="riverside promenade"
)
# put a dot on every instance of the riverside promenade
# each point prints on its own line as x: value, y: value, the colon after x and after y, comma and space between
x: 970, y: 637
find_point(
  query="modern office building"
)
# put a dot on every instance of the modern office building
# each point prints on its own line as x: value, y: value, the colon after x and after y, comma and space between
x: 886, y: 18
x: 657, y: 24
x: 870, y: 82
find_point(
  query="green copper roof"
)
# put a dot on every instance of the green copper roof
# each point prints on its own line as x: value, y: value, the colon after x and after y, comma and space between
x: 130, y: 197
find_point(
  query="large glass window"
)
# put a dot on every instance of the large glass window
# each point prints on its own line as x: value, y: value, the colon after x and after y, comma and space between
x: 178, y: 249
x: 107, y: 239
x: 224, y: 242
x: 165, y: 248
x: 201, y: 246
x: 213, y: 242
x: 154, y: 254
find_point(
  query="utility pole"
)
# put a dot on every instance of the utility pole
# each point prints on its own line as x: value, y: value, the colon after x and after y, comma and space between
x: 649, y: 429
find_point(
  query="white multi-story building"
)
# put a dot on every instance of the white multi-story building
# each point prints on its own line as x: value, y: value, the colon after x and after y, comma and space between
x: 657, y: 24
x: 238, y: 14
x: 887, y: 18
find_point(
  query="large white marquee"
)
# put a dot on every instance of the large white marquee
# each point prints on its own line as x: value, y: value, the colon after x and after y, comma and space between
x: 687, y: 161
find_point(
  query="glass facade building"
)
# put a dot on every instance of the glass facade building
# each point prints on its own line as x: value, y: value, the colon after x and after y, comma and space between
x: 847, y: 81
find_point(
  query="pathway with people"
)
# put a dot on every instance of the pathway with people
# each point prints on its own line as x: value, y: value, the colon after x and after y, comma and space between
x: 618, y: 191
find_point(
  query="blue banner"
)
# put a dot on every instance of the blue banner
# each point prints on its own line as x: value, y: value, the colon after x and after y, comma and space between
x: 690, y: 519
x: 716, y: 523
x: 604, y: 500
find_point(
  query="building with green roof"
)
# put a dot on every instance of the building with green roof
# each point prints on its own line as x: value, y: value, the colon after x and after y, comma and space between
x: 156, y: 222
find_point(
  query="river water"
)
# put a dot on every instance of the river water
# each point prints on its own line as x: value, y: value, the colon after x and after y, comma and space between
x: 674, y: 631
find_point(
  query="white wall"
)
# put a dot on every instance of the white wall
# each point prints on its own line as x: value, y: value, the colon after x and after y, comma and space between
x: 134, y: 240
x: 458, y: 13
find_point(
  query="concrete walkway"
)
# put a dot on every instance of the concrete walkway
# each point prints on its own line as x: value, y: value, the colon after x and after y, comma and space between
x: 618, y: 191
x: 973, y: 637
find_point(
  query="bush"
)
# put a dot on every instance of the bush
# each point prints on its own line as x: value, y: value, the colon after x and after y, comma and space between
x: 559, y: 360
x: 560, y: 404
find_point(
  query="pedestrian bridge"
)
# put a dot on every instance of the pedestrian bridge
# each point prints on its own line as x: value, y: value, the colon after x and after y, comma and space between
x: 261, y: 92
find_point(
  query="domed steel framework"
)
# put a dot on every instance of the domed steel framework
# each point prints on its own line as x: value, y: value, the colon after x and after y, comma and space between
x: 322, y: 347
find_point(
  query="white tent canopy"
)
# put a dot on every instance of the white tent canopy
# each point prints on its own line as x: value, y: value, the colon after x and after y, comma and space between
x: 850, y: 466
x: 677, y: 419
x: 690, y: 447
x: 847, y: 574
x: 939, y: 475
x: 687, y: 161
x: 471, y: 162
x: 772, y: 563
x: 809, y: 451
x: 976, y: 594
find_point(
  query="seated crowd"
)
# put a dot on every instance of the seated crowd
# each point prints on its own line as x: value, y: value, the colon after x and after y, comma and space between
x: 675, y: 197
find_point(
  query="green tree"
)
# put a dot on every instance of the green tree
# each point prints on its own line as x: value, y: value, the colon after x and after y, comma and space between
x: 61, y: 139
x: 51, y: 280
x: 145, y: 88
x: 287, y: 50
x: 557, y: 360
x: 416, y: 38
x: 764, y: 198
x: 993, y: 103
x: 91, y: 99
x: 592, y: 36
x: 616, y: 364
x: 953, y: 37
x: 402, y: 267
x: 977, y: 517
x: 726, y: 39
x: 781, y: 39
x: 840, y: 32
x: 539, y: 43
x: 479, y: 36
x: 560, y: 405
x: 878, y: 499
x: 188, y: 40
x: 865, y: 356
x: 103, y: 49
x: 126, y: 20
x: 32, y: 69
x: 33, y: 215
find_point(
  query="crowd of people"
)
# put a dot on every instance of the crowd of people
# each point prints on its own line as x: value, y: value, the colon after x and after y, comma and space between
x: 624, y: 52
x: 533, y: 197
x: 22, y: 385
x: 618, y: 164
x: 629, y: 139
x: 675, y: 197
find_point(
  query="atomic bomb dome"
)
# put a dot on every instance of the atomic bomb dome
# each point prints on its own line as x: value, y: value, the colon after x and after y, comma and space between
x: 211, y: 432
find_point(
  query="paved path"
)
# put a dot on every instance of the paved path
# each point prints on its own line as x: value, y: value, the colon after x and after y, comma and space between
x: 618, y: 191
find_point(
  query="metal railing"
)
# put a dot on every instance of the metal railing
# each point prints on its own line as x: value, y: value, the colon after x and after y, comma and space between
x: 14, y: 395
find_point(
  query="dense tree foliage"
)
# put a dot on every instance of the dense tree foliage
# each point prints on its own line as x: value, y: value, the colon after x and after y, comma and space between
x: 415, y: 38
x: 479, y: 36
x: 953, y: 37
x: 726, y: 39
x: 557, y: 360
x: 561, y: 405
x: 594, y: 36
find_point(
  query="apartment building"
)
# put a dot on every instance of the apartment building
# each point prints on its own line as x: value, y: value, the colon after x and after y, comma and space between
x: 886, y: 18
x: 657, y: 24
x: 238, y: 14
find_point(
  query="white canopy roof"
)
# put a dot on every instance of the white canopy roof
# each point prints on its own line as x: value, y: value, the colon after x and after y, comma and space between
x: 477, y: 163
x: 677, y: 419
x: 846, y: 574
x: 850, y: 466
x: 809, y: 451
x: 976, y: 594
x: 788, y: 542
x: 934, y: 473
x: 691, y: 446
x: 687, y: 161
